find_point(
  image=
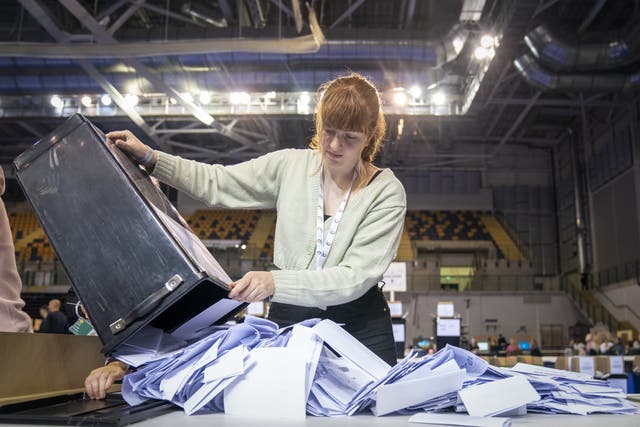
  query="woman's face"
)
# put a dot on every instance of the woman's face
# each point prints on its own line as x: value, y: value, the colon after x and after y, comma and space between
x: 342, y: 149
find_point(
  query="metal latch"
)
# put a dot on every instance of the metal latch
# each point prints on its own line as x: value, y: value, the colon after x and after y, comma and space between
x: 147, y: 305
x: 173, y: 283
x: 117, y: 326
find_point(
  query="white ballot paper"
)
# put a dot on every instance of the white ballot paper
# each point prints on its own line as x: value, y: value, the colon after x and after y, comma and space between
x: 273, y: 388
x: 498, y: 396
x: 403, y: 394
x: 460, y: 420
x: 349, y: 347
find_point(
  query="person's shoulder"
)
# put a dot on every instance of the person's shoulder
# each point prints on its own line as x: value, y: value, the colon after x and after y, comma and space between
x: 390, y: 186
x: 296, y: 153
x: 297, y: 157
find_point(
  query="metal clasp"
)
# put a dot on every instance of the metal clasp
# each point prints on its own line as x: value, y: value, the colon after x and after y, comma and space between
x: 173, y: 283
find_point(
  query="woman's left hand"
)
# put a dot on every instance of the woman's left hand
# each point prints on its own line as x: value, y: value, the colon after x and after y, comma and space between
x: 254, y: 286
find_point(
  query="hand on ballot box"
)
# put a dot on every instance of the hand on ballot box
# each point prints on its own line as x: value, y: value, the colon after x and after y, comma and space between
x: 101, y: 379
x: 131, y: 145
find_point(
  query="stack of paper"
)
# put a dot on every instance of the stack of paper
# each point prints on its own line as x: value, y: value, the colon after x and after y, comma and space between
x: 322, y: 370
x: 564, y: 392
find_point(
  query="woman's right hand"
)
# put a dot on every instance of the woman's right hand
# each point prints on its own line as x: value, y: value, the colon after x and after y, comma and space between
x: 131, y: 145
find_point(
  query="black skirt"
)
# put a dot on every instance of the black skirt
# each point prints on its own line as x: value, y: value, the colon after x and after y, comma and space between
x: 366, y: 318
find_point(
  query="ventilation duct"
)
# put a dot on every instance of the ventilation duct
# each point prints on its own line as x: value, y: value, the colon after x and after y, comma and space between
x: 543, y: 79
x: 561, y: 55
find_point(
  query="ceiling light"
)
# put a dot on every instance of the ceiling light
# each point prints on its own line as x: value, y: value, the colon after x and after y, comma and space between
x: 415, y: 91
x: 106, y: 100
x: 458, y: 44
x: 486, y: 41
x: 86, y: 101
x: 438, y: 98
x: 400, y: 98
x: 237, y: 98
x: 480, y: 53
x: 173, y: 101
x: 131, y: 100
x: 304, y: 98
x: 187, y: 96
x: 204, y: 97
x: 56, y: 101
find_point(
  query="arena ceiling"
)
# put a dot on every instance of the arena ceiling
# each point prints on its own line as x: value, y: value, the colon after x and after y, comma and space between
x: 227, y: 80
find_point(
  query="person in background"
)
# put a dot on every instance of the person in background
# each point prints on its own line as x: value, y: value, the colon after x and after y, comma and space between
x: 617, y: 348
x: 534, y: 348
x: 12, y: 318
x: 635, y: 346
x: 339, y: 217
x: 502, y: 342
x: 513, y: 349
x: 44, y: 312
x: 56, y: 321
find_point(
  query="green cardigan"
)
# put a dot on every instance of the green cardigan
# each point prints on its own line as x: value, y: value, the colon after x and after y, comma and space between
x: 288, y: 180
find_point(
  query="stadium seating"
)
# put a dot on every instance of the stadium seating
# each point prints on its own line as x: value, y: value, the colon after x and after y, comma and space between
x: 257, y: 229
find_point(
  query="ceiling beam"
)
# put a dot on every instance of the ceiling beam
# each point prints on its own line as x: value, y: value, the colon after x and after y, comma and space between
x: 346, y: 14
x: 36, y: 9
x: 103, y: 36
x: 514, y: 126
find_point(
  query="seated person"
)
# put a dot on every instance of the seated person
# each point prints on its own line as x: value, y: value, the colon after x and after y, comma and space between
x: 513, y: 349
x: 535, y: 350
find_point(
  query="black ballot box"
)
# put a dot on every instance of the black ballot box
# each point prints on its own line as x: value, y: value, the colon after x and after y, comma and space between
x: 131, y: 258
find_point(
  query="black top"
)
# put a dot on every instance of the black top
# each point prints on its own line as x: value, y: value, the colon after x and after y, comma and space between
x: 55, y: 323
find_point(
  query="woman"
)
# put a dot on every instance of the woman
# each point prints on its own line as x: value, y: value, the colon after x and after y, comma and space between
x: 339, y: 218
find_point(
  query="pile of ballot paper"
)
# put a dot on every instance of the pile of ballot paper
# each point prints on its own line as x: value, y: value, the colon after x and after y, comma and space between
x: 315, y: 367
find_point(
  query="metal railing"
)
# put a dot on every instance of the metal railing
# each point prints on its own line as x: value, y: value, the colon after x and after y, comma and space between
x: 524, y: 249
x: 620, y: 273
x: 480, y: 283
x: 590, y: 306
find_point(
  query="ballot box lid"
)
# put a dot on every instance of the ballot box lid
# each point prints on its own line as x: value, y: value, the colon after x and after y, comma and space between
x: 76, y: 409
x: 129, y: 255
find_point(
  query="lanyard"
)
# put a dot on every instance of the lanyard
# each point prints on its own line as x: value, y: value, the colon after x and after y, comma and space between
x: 324, y: 246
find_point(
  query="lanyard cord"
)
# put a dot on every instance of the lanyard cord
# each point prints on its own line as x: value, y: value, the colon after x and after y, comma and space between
x: 324, y: 246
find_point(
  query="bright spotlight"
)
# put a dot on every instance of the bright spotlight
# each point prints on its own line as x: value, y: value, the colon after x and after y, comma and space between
x: 187, y: 96
x: 486, y: 41
x: 304, y: 98
x: 173, y: 101
x: 56, y: 101
x: 480, y: 53
x: 86, y: 101
x: 243, y: 246
x: 237, y: 98
x: 400, y: 98
x: 131, y: 100
x: 458, y: 44
x: 438, y: 98
x: 204, y: 97
x: 105, y: 99
x: 415, y: 91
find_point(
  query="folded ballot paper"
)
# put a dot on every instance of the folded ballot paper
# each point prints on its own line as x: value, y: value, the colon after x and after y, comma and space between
x: 316, y: 368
